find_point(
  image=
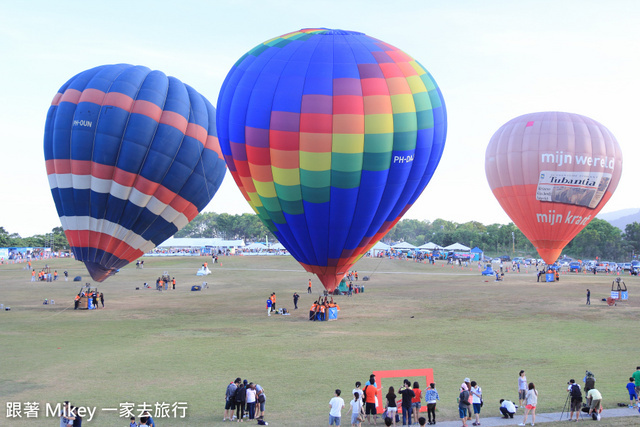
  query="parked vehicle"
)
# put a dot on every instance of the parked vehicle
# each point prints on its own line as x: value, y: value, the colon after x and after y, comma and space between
x: 575, y: 267
x: 626, y: 266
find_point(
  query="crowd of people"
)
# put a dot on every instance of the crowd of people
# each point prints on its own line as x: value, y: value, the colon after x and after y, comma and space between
x: 45, y: 274
x: 408, y: 401
x: 88, y: 298
x: 165, y: 283
x: 320, y: 309
x: 242, y: 395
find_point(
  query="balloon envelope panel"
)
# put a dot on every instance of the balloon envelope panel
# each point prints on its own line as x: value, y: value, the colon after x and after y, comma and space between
x: 132, y: 156
x: 552, y: 172
x: 331, y: 136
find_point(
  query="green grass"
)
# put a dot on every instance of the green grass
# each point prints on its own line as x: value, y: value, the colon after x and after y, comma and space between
x: 182, y: 346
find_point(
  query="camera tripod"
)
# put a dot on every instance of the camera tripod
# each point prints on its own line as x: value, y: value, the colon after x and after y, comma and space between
x: 565, y: 405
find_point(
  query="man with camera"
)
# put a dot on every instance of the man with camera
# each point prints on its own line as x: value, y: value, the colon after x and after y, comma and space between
x: 576, y: 398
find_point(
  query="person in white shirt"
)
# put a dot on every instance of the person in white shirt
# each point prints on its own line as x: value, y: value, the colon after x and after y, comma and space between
x: 251, y: 400
x: 358, y: 390
x: 476, y: 400
x: 508, y: 408
x: 336, y: 404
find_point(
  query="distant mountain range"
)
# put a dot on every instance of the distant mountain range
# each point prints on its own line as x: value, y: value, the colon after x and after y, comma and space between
x: 621, y: 218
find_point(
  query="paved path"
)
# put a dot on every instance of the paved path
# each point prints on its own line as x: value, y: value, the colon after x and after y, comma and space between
x: 540, y: 418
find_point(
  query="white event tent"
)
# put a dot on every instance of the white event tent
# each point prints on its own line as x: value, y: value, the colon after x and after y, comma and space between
x: 457, y: 247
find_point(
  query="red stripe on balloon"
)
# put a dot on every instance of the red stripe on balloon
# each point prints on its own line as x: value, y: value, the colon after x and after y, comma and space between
x: 145, y: 108
x: 56, y: 99
x: 214, y: 145
x: 124, y: 178
x: 70, y: 95
x: 105, y: 242
x: 148, y: 109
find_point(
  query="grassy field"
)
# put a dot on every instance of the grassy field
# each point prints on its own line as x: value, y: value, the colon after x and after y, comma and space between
x: 182, y: 346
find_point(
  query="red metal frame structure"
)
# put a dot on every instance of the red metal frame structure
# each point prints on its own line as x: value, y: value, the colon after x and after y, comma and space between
x: 402, y: 373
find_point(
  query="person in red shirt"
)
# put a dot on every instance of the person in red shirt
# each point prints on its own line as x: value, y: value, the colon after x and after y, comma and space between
x: 415, y: 401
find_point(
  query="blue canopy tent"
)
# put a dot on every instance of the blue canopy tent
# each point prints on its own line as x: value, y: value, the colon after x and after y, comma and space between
x: 477, y: 254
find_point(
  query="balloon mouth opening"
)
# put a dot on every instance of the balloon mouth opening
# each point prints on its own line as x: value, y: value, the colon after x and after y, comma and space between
x: 98, y: 272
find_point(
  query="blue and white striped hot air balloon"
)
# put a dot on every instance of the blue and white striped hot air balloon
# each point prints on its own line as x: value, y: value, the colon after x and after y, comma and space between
x: 132, y: 156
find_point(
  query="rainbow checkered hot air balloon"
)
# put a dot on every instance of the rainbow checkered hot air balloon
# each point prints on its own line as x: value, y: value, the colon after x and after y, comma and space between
x: 331, y: 136
x: 132, y: 156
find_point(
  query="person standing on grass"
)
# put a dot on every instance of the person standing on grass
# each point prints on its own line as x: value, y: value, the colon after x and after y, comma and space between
x: 261, y: 401
x: 466, y: 385
x: 416, y: 401
x: 476, y: 401
x: 463, y: 404
x: 370, y: 400
x: 576, y: 398
x: 532, y: 402
x: 407, y: 394
x: 230, y: 400
x: 148, y: 421
x: 336, y: 404
x: 636, y: 379
x: 355, y: 407
x: 241, y: 397
x: 269, y: 303
x: 309, y: 287
x: 588, y: 297
x: 633, y: 396
x: 77, y: 422
x: 522, y: 388
x: 295, y: 300
x: 392, y: 406
x: 359, y: 391
x: 66, y: 416
x: 251, y: 400
x: 431, y: 396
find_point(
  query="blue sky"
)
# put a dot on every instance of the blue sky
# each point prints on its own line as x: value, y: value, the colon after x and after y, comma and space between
x: 493, y: 60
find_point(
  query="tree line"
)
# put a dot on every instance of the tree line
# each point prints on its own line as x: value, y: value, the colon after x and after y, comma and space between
x: 597, y: 239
